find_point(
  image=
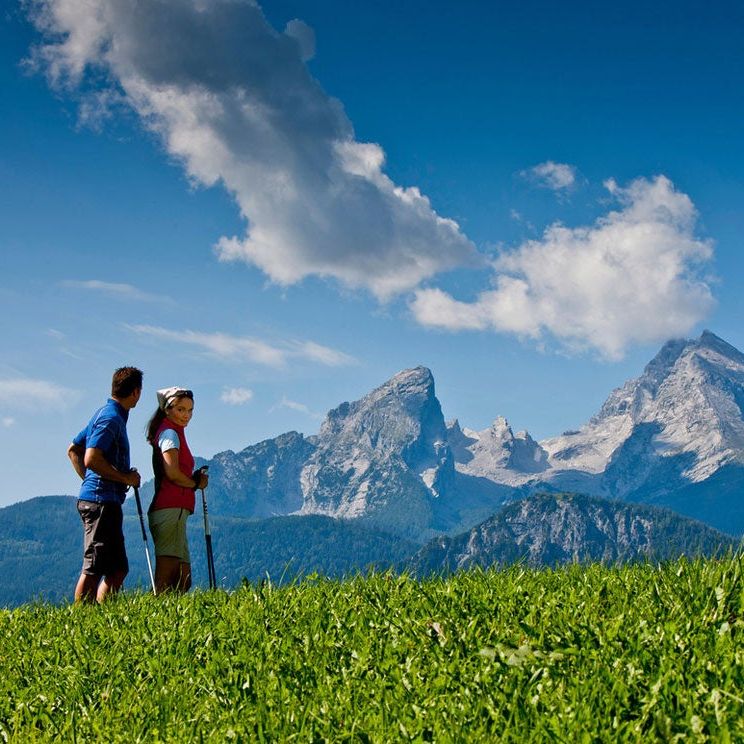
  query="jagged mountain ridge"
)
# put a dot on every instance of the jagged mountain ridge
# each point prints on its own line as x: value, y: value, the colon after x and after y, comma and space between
x: 497, y: 453
x: 673, y: 436
x: 666, y: 436
x: 550, y: 529
x: 692, y: 392
x: 383, y: 458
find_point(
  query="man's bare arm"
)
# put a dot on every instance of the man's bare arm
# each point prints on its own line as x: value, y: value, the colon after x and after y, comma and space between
x: 76, y: 453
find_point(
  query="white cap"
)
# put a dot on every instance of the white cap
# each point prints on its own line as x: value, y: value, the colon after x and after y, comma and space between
x: 166, y: 396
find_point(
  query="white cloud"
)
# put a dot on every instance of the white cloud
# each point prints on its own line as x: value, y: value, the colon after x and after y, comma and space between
x: 236, y: 396
x: 219, y: 344
x: 632, y: 277
x: 8, y: 422
x: 293, y: 405
x: 120, y: 291
x: 550, y: 175
x: 233, y: 101
x: 227, y: 346
x: 23, y: 393
x: 322, y: 354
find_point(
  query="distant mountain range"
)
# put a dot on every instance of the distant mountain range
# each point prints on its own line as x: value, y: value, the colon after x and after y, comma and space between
x: 386, y: 474
x: 672, y: 437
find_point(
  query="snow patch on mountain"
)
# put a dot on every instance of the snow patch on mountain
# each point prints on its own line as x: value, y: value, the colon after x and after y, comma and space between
x: 590, y: 448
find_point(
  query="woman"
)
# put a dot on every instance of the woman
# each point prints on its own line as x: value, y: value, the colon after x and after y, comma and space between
x: 175, y: 486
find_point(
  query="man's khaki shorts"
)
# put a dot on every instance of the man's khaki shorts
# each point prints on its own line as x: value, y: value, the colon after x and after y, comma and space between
x: 168, y: 528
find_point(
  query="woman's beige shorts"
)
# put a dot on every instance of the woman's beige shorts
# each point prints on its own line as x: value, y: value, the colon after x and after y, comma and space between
x: 168, y: 527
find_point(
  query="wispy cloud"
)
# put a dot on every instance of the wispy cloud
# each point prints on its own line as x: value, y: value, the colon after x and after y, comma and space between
x: 235, y: 103
x: 236, y: 396
x: 7, y: 422
x: 23, y: 393
x: 293, y: 405
x: 226, y: 346
x: 550, y: 175
x: 635, y: 276
x: 219, y: 344
x: 118, y: 291
x: 322, y: 354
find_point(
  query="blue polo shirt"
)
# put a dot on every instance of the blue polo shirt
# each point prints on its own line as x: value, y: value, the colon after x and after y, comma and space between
x: 106, y: 431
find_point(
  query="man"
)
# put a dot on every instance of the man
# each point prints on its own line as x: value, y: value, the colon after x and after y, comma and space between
x: 100, y: 456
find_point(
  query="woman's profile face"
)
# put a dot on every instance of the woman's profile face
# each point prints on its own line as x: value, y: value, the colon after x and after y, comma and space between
x: 181, y: 411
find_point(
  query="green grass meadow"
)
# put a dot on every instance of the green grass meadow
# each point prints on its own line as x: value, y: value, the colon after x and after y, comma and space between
x: 578, y: 654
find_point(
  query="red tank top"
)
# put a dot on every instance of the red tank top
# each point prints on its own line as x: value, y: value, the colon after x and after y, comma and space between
x: 171, y: 495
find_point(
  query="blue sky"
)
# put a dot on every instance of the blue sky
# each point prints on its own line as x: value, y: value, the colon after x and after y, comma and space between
x: 282, y: 207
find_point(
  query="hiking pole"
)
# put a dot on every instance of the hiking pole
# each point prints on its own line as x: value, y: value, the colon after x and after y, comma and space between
x: 208, y: 537
x: 144, y: 537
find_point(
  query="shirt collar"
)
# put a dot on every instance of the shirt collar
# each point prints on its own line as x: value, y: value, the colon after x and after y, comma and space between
x: 123, y: 412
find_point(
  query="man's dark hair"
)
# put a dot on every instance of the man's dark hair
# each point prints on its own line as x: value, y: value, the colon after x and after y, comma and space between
x: 125, y: 381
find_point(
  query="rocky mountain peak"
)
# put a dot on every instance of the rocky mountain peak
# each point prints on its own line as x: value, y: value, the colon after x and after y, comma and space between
x: 408, y: 381
x: 500, y: 428
x: 681, y: 363
x: 630, y: 399
x: 459, y: 442
x: 389, y: 445
x: 416, y: 386
x: 410, y: 389
x: 708, y: 340
x: 683, y: 417
x: 497, y: 453
x: 382, y: 418
x: 675, y: 354
x: 659, y: 368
